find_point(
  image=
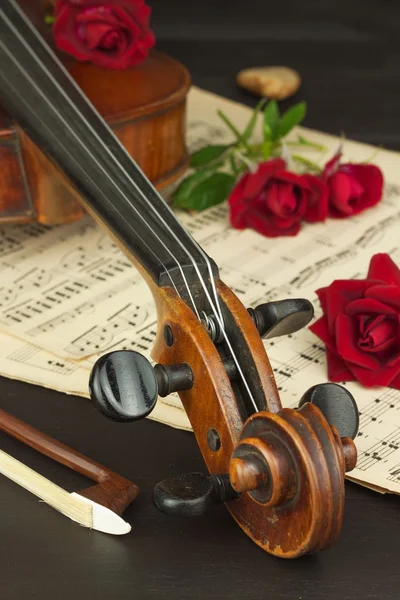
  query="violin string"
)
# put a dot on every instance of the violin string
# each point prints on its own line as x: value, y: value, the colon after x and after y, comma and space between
x: 218, y: 317
x: 119, y: 165
x: 26, y: 75
x: 91, y: 180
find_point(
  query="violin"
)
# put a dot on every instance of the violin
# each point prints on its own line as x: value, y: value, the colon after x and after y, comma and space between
x: 144, y: 106
x: 280, y: 471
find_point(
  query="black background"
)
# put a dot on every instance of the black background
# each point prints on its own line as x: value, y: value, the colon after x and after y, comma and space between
x: 349, y: 57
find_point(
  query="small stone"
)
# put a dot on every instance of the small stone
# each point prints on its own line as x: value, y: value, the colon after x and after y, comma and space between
x: 276, y: 83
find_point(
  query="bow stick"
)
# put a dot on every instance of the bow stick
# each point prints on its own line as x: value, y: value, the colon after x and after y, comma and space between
x: 279, y: 471
x: 99, y: 507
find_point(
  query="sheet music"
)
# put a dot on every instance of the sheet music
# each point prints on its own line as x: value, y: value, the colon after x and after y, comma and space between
x: 68, y: 294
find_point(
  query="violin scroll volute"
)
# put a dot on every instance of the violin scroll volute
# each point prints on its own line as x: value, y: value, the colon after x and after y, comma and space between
x: 286, y: 465
x: 280, y: 471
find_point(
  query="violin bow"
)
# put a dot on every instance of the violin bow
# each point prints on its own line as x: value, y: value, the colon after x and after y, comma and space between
x: 98, y: 507
x: 280, y: 471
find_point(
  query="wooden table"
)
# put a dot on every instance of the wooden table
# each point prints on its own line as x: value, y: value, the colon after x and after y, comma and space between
x: 349, y: 57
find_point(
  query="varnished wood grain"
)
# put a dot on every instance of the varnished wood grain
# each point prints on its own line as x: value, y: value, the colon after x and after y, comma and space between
x: 15, y: 199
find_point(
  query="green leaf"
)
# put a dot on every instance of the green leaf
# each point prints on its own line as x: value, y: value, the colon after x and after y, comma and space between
x: 207, y: 155
x: 248, y: 132
x: 203, y: 189
x: 271, y: 121
x: 185, y: 188
x: 292, y: 117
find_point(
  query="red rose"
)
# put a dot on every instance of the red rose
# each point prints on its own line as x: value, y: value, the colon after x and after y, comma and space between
x: 361, y: 326
x: 353, y: 188
x: 113, y: 34
x: 273, y: 201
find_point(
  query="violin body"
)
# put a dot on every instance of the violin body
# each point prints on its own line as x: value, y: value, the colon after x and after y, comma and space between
x: 144, y: 106
x: 280, y: 471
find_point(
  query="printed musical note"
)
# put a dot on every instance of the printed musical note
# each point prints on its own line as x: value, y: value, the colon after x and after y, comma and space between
x: 120, y: 326
x: 394, y: 474
x: 380, y: 451
x: 32, y: 356
x: 68, y: 294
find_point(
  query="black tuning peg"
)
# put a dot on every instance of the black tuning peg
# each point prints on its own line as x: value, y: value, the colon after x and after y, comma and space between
x: 337, y: 405
x: 282, y: 317
x: 192, y: 494
x: 124, y: 386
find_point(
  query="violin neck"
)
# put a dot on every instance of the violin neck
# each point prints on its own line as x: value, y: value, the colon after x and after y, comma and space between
x: 42, y: 98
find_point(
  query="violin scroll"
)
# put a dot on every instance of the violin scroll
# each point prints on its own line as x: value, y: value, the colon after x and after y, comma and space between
x: 287, y: 471
x: 260, y: 463
x: 280, y: 471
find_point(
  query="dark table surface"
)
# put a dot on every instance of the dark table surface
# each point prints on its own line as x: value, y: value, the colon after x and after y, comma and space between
x: 349, y: 56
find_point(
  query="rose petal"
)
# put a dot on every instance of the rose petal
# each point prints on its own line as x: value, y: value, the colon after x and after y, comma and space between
x: 112, y: 35
x: 284, y: 200
x: 277, y: 196
x: 377, y: 377
x: 370, y: 178
x: 346, y: 343
x: 339, y: 294
x: 238, y: 206
x: 331, y: 166
x: 264, y: 223
x: 367, y: 305
x: 395, y: 383
x: 386, y: 294
x: 322, y: 296
x: 382, y: 267
x: 320, y: 329
x: 394, y: 360
x: 337, y: 368
x: 340, y: 197
x: 317, y: 200
x: 354, y: 187
x: 236, y: 195
x: 379, y: 334
x: 290, y: 177
x: 258, y: 180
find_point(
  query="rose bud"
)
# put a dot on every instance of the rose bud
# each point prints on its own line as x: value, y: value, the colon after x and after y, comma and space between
x: 352, y: 187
